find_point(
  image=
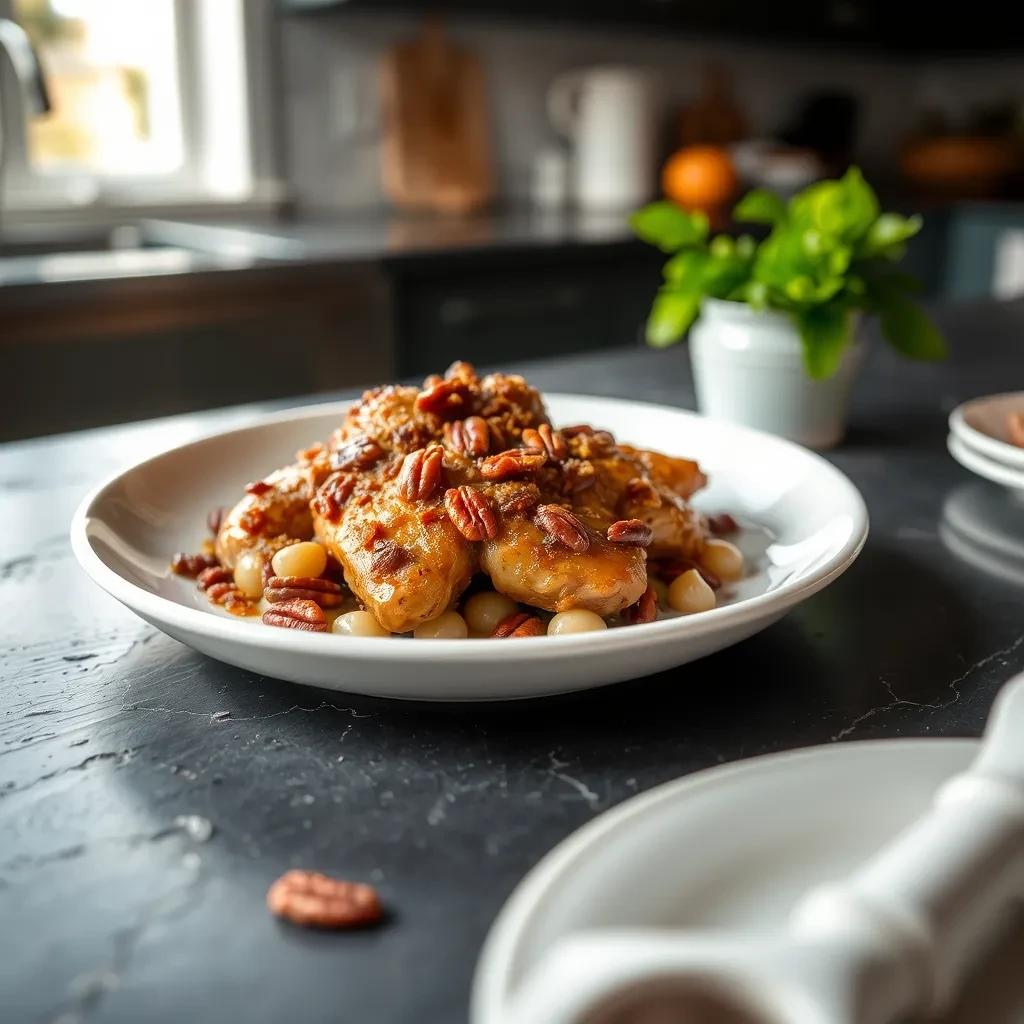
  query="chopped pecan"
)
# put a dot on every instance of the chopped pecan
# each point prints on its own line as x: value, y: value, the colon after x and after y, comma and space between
x: 631, y: 531
x: 215, y: 518
x: 252, y: 520
x: 546, y: 440
x: 461, y: 370
x: 585, y: 430
x: 433, y: 514
x: 258, y: 487
x: 448, y: 399
x: 642, y: 492
x: 374, y: 536
x: 644, y: 610
x: 420, y: 478
x: 520, y: 501
x: 431, y: 381
x: 307, y: 455
x: 214, y: 574
x: 362, y: 453
x: 325, y: 593
x: 388, y: 557
x: 519, y: 624
x: 722, y: 524
x: 472, y: 513
x: 333, y: 493
x: 514, y: 462
x: 191, y: 565
x: 297, y: 614
x: 470, y: 436
x: 310, y: 899
x: 563, y: 526
x: 579, y: 475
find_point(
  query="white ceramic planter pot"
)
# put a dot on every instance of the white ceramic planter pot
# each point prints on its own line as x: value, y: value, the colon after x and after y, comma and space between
x: 748, y: 368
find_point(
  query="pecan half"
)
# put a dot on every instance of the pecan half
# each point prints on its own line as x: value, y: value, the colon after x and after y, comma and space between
x: 470, y: 436
x: 297, y: 614
x: 252, y: 520
x: 546, y: 440
x: 722, y: 524
x: 258, y: 487
x: 472, y: 513
x: 563, y: 526
x: 191, y: 565
x: 362, y: 453
x: 630, y: 531
x: 519, y: 624
x: 311, y: 899
x: 644, y: 610
x: 214, y: 574
x: 325, y: 593
x: 514, y: 462
x: 333, y: 493
x: 420, y: 477
x: 388, y: 557
x: 448, y: 399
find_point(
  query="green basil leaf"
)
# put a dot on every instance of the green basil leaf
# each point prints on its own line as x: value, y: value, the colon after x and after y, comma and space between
x: 825, y: 333
x: 760, y: 206
x: 669, y: 226
x: 671, y: 315
x: 907, y: 328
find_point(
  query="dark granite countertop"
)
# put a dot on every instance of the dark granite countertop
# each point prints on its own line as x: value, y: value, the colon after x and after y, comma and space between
x: 116, y: 906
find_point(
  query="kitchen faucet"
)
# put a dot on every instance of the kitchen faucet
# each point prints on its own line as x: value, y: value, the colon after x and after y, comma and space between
x: 35, y: 98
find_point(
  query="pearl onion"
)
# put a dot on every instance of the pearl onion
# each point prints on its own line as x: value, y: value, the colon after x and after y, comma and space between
x: 576, y: 620
x: 249, y: 574
x: 722, y: 559
x: 485, y: 610
x: 690, y: 593
x: 304, y: 559
x: 449, y: 626
x: 358, y: 624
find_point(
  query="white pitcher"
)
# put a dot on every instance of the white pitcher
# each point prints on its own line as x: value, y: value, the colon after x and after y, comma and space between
x: 608, y: 113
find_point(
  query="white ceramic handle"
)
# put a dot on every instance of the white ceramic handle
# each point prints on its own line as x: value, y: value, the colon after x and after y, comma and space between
x: 563, y: 102
x: 936, y: 893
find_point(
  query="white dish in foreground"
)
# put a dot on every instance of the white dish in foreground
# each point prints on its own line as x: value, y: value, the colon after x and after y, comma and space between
x: 125, y: 532
x: 981, y: 425
x: 732, y: 847
x: 988, y: 469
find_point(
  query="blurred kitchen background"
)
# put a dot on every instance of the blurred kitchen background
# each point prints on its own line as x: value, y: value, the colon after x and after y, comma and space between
x: 206, y: 202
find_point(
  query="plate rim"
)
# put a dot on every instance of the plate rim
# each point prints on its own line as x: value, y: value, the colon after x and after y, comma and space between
x: 470, y: 650
x: 982, y: 466
x: 521, y: 906
x: 986, y: 444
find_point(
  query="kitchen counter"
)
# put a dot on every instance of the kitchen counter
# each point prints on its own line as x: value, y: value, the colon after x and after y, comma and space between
x: 148, y: 795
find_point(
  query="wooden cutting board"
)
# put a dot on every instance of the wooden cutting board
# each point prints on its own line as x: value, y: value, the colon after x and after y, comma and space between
x: 435, y: 149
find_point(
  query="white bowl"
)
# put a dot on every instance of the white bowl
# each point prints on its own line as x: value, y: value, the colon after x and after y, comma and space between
x: 985, y: 467
x: 733, y: 847
x: 126, y: 530
x: 981, y: 425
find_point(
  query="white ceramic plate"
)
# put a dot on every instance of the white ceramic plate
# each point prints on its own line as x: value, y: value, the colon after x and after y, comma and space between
x: 126, y: 530
x: 980, y: 464
x: 731, y: 847
x: 981, y: 425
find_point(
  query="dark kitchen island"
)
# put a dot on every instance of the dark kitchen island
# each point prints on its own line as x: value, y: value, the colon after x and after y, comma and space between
x: 149, y: 795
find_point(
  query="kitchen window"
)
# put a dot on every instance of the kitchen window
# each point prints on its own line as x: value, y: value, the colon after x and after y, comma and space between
x: 152, y: 101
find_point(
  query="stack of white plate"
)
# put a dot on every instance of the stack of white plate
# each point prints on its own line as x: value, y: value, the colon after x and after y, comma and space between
x: 979, y: 439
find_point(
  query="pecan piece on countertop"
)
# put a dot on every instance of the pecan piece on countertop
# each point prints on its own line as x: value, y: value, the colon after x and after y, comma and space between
x: 191, y: 565
x: 519, y: 624
x: 311, y: 899
x: 563, y: 526
x: 362, y: 453
x: 420, y: 476
x: 546, y: 440
x: 214, y: 574
x: 630, y: 531
x: 297, y: 614
x: 388, y: 557
x: 472, y: 512
x: 643, y: 610
x: 470, y: 436
x: 448, y: 399
x: 333, y: 493
x: 723, y: 524
x: 325, y: 593
x: 514, y: 462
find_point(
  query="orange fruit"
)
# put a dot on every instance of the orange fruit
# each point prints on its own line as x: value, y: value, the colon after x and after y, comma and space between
x: 699, y: 177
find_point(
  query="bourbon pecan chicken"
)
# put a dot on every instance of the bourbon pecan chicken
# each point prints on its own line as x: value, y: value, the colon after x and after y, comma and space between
x: 421, y: 489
